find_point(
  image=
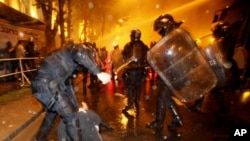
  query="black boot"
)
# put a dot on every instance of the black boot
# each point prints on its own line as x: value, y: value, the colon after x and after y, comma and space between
x: 158, y: 122
x: 130, y: 101
x: 154, y: 124
x: 45, y: 127
x: 41, y: 136
x: 197, y: 105
x: 176, y: 118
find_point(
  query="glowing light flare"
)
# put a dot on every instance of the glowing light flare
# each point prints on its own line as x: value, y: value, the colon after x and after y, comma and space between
x: 21, y: 34
x: 33, y: 11
x: 121, y: 21
x: 34, y: 14
x: 208, y: 50
x: 198, y: 41
x: 90, y: 5
x: 157, y: 6
x: 169, y: 52
x: 211, y: 39
x: 205, y: 41
x: 114, y: 43
x: 124, y: 121
x: 53, y: 16
x: 245, y: 96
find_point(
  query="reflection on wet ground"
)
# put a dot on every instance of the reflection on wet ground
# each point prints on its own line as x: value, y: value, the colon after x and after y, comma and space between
x: 207, y: 125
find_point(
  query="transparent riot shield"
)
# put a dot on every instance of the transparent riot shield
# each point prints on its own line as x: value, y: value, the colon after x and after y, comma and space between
x: 180, y: 64
x: 209, y: 48
x: 226, y: 71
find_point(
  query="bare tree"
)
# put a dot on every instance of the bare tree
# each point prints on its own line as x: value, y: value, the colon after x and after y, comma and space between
x: 93, y: 14
x: 50, y: 30
x: 61, y: 20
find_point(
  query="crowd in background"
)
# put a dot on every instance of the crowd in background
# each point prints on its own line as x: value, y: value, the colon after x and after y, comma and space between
x: 26, y: 49
x: 22, y: 49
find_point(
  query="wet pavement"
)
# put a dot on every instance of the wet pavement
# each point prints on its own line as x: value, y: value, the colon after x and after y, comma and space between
x: 107, y: 101
x: 207, y: 125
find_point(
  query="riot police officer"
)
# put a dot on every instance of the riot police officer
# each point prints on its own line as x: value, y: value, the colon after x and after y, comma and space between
x: 134, y: 54
x: 163, y: 25
x: 224, y: 66
x: 52, y: 86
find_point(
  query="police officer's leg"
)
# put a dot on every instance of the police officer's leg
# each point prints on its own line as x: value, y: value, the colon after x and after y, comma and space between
x: 137, y: 94
x: 128, y: 81
x: 161, y: 107
x: 43, y: 95
x: 174, y: 113
x: 129, y: 98
x: 141, y: 74
x: 46, y: 126
x: 68, y: 111
x: 218, y: 95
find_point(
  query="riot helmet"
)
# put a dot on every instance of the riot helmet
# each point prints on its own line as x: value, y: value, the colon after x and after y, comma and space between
x: 220, y: 29
x: 164, y: 24
x: 85, y: 54
x: 135, y: 35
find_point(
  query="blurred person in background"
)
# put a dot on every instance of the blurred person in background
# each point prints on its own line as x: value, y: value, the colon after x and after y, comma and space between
x: 30, y: 52
x: 116, y: 60
x: 20, y: 54
x: 103, y: 55
x: 5, y: 66
x: 94, y: 82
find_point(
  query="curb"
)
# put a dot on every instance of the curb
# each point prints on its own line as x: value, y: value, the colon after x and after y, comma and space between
x: 23, y: 126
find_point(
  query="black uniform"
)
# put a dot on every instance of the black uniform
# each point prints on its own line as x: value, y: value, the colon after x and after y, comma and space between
x: 53, y: 87
x: 135, y: 73
x: 224, y: 66
x: 163, y: 25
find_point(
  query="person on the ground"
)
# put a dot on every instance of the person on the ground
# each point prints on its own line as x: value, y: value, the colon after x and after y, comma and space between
x: 134, y: 54
x: 163, y: 25
x: 52, y: 86
x: 90, y: 124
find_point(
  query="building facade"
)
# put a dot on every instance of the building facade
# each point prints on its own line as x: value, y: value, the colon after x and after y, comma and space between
x: 20, y: 20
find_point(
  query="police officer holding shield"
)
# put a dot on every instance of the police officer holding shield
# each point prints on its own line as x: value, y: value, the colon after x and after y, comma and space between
x: 163, y: 25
